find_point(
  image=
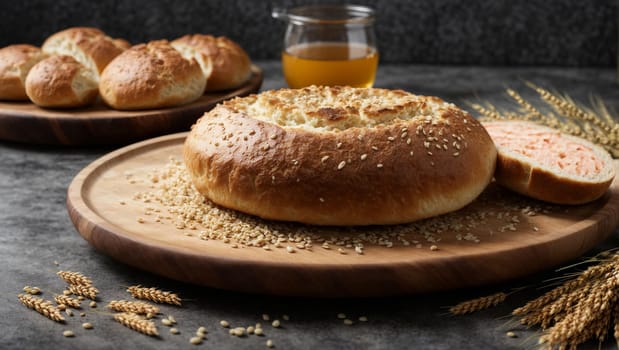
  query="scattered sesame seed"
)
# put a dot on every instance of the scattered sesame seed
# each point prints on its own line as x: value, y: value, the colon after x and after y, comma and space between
x: 322, y: 200
x: 286, y: 317
x: 511, y: 334
x: 87, y: 325
x: 374, y: 148
x: 363, y: 318
x: 224, y: 323
x: 141, y: 220
x: 258, y: 331
x: 275, y: 323
x: 238, y: 331
x: 341, y: 165
x: 324, y: 159
x: 339, y: 144
x: 93, y: 304
x: 68, y: 312
x: 341, y: 316
x: 269, y: 343
x: 196, y: 340
x: 379, y: 165
x: 273, y: 137
x: 348, y: 322
x: 433, y: 248
x: 456, y: 154
x: 390, y: 138
x: 265, y: 317
x: 290, y: 249
x: 68, y: 334
x: 341, y: 251
x: 364, y: 156
x: 174, y: 330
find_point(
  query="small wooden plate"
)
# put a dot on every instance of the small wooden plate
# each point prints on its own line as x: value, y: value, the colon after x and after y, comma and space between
x: 100, y: 125
x: 542, y: 241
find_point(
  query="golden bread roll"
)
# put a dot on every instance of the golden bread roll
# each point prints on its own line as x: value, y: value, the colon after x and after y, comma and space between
x: 543, y: 163
x: 152, y: 75
x: 339, y: 156
x: 89, y: 46
x: 60, y: 81
x: 15, y: 63
x: 224, y: 62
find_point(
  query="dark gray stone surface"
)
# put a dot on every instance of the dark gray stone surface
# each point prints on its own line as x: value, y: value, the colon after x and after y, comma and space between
x: 504, y: 32
x: 35, y: 231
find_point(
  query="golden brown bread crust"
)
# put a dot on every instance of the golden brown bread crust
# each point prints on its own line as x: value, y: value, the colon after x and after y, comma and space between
x: 530, y: 178
x: 229, y: 64
x: 152, y: 75
x: 60, y: 81
x: 413, y: 157
x: 89, y: 46
x: 15, y: 63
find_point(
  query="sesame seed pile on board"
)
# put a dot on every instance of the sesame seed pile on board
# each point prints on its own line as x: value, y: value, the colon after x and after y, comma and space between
x: 194, y: 215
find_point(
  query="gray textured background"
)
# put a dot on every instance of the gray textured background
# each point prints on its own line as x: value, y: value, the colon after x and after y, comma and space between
x: 501, y: 32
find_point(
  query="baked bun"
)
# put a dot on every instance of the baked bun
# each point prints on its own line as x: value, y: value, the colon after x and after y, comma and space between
x: 89, y: 46
x: 224, y: 62
x: 60, y: 81
x: 339, y: 156
x: 152, y: 75
x: 545, y: 164
x: 15, y: 63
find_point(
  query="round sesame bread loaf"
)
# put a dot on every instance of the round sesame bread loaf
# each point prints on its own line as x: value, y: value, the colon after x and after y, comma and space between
x: 543, y: 163
x: 339, y: 156
x: 225, y: 64
x: 60, y: 81
x: 15, y: 63
x: 152, y: 75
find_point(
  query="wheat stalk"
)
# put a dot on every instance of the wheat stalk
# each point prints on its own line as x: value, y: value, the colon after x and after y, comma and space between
x: 580, y: 309
x: 75, y: 278
x: 66, y: 300
x: 136, y: 307
x: 44, y: 307
x: 89, y: 292
x: 154, y: 294
x: 478, y: 304
x: 135, y: 322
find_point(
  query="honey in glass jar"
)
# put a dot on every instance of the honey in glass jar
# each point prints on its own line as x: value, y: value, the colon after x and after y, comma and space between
x: 329, y: 45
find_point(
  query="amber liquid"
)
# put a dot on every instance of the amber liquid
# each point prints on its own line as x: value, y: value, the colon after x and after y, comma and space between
x: 326, y: 63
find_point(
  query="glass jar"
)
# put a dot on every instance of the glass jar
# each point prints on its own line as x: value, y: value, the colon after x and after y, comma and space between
x: 329, y: 45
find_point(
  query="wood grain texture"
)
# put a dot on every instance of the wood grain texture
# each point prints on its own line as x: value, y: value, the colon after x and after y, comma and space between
x: 95, y: 194
x: 24, y: 122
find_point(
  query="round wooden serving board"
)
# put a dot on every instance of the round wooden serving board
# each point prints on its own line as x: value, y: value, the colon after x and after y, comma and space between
x: 100, y: 125
x: 102, y: 206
